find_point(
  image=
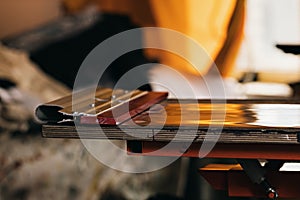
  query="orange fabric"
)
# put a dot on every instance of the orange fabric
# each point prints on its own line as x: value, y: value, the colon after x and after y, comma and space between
x: 205, y: 21
x: 73, y: 6
x: 226, y: 58
x: 138, y: 10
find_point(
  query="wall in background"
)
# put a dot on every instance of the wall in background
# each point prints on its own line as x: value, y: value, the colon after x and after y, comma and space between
x: 18, y: 16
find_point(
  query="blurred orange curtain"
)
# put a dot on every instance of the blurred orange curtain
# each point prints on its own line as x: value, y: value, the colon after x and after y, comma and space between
x: 208, y: 22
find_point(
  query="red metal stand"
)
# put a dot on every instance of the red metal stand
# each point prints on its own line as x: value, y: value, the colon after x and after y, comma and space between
x: 232, y: 177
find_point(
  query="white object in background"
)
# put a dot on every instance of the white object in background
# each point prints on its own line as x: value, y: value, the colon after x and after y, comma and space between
x: 290, y: 167
x: 269, y: 22
x: 261, y: 89
x: 187, y: 86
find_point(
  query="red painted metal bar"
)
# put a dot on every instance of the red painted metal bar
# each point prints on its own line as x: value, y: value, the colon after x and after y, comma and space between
x: 247, y: 151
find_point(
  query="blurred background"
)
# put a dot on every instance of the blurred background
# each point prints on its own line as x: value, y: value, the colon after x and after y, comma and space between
x: 43, y: 43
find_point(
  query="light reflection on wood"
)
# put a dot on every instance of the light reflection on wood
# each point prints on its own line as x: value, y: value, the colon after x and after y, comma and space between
x: 228, y: 115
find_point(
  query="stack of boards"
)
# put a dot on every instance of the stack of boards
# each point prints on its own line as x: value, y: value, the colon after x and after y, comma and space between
x: 150, y: 116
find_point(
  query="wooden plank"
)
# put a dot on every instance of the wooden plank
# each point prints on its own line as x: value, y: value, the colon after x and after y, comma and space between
x: 148, y: 134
